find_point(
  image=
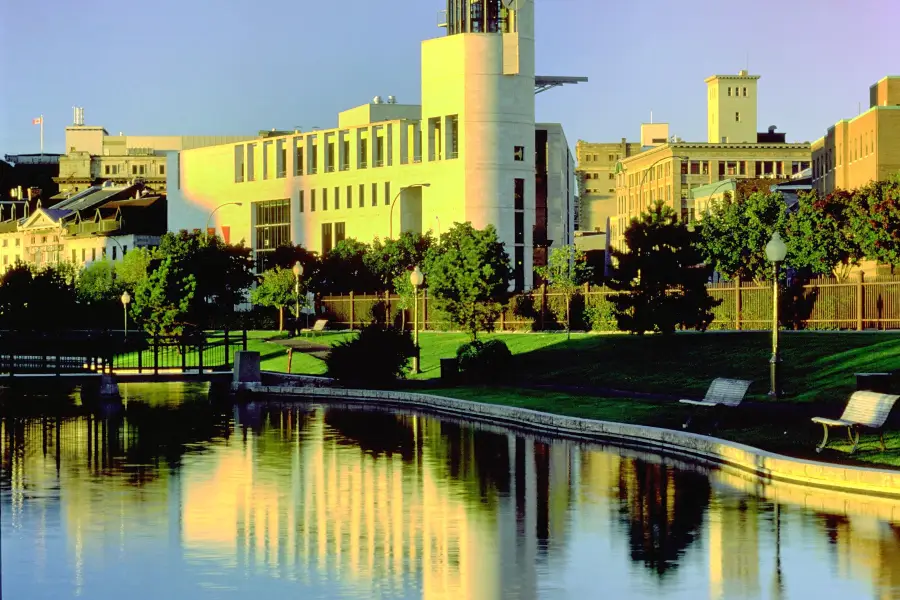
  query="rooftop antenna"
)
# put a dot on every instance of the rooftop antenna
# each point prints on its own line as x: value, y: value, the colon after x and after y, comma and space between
x: 748, y: 62
x: 651, y: 117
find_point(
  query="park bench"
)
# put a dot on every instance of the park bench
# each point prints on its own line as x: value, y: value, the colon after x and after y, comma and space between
x: 864, y: 409
x: 721, y: 392
x: 318, y: 327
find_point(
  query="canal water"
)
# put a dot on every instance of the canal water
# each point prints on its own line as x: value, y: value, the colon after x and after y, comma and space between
x: 175, y: 497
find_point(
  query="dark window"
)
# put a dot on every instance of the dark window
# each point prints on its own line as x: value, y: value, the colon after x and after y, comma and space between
x: 363, y: 152
x: 326, y: 238
x: 337, y: 198
x: 374, y: 194
x: 114, y: 253
x: 519, y: 153
x: 273, y: 229
x: 387, y: 192
x: 74, y: 257
x: 162, y: 169
x: 298, y: 160
x: 312, y: 200
x: 520, y: 227
x: 519, y: 194
x: 301, y: 200
x: 519, y: 268
x: 349, y: 196
x: 340, y: 232
x: 362, y: 195
x: 324, y: 198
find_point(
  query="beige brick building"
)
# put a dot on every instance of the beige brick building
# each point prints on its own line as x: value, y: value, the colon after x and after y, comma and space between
x: 866, y: 148
x: 597, y: 162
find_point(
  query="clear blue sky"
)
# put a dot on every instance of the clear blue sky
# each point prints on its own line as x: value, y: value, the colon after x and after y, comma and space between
x: 237, y: 66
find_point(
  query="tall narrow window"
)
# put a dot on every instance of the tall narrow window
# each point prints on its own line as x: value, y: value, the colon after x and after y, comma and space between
x: 337, y: 198
x: 273, y: 229
x: 298, y: 159
x: 340, y: 233
x: 387, y: 192
x: 324, y: 198
x: 374, y: 194
x: 519, y: 194
x: 362, y: 195
x: 238, y: 163
x: 301, y: 201
x: 349, y: 199
x: 280, y: 159
x: 313, y: 159
x: 312, y: 200
x: 251, y: 164
x: 363, y: 153
x: 326, y: 238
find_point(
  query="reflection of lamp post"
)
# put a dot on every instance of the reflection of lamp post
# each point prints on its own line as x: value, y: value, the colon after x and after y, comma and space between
x: 775, y: 252
x: 298, y: 271
x: 126, y: 299
x: 777, y: 578
x: 416, y: 278
x: 397, y: 197
x: 209, y: 218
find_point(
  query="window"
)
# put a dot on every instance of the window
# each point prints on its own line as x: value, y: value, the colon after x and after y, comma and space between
x: 300, y: 202
x: 453, y: 133
x: 162, y: 169
x: 337, y: 198
x: 519, y: 268
x: 83, y: 254
x: 520, y: 227
x: 379, y: 151
x: 312, y: 200
x: 93, y: 254
x: 125, y: 250
x: 387, y: 192
x: 238, y: 163
x: 737, y: 117
x: 587, y: 158
x: 298, y: 159
x: 114, y: 253
x: 363, y: 152
x: 134, y: 169
x: 251, y: 164
x: 340, y: 232
x: 313, y: 159
x: 106, y: 170
x: 273, y: 229
x: 695, y: 167
x: 324, y: 198
x: 729, y: 91
x: 280, y: 159
x: 519, y: 194
x: 349, y: 196
x: 374, y: 194
x: 329, y: 158
x: 74, y: 256
x: 519, y: 153
x: 612, y: 176
x: 612, y: 157
x: 745, y: 92
x: 326, y: 238
x: 345, y: 160
x: 362, y: 195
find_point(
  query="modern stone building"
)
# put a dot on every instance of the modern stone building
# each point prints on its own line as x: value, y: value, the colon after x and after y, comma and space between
x: 866, y: 148
x: 471, y: 151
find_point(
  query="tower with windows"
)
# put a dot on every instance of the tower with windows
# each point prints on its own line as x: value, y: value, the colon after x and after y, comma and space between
x: 731, y: 113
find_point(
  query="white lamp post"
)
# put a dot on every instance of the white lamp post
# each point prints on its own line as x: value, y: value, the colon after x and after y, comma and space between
x: 775, y: 253
x: 416, y: 278
x: 298, y: 271
x: 126, y: 299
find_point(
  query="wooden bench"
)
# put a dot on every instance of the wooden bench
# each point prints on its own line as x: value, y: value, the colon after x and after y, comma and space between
x: 864, y: 409
x: 721, y: 392
x: 318, y: 327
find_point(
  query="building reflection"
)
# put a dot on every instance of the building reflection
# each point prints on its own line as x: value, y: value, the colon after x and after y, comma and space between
x: 385, y: 503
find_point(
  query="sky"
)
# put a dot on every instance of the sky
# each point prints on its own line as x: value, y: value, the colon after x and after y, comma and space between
x: 232, y: 67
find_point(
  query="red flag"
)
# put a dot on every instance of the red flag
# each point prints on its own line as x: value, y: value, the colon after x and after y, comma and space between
x: 38, y: 121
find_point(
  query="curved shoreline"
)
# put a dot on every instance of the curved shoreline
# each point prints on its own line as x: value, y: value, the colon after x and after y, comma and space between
x: 765, y: 466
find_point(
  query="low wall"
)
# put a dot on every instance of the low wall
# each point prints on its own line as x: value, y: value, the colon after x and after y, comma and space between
x: 766, y: 466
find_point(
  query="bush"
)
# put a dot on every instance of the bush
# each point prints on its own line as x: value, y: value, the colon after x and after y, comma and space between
x: 376, y: 357
x: 600, y: 315
x: 484, y: 360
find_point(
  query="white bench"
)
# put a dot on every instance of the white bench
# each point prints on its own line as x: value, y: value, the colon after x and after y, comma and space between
x: 318, y: 327
x: 864, y: 409
x: 721, y: 392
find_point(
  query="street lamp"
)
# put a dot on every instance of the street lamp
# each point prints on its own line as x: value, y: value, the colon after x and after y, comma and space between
x: 209, y: 218
x: 298, y: 271
x: 775, y: 252
x: 397, y: 197
x: 126, y: 300
x: 416, y: 278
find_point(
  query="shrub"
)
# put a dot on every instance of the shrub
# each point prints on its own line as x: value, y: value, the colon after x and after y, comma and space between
x: 600, y: 315
x: 377, y: 356
x: 484, y: 360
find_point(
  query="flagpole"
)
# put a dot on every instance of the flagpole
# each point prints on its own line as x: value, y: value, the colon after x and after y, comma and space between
x: 42, y: 135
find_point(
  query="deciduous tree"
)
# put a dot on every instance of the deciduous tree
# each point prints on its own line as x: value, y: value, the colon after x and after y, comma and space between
x: 566, y: 271
x: 277, y: 288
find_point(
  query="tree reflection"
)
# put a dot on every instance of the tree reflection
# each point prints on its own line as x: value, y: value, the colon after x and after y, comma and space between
x: 663, y: 509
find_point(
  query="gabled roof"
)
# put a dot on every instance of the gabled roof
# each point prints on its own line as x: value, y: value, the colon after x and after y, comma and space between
x: 43, y: 217
x: 97, y: 196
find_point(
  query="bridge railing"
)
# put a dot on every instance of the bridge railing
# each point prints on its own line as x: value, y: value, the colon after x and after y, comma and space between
x: 108, y: 352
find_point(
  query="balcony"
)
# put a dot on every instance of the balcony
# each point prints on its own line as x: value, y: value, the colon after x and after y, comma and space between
x: 345, y: 166
x: 417, y: 158
x: 452, y: 154
x: 312, y: 171
x: 379, y: 162
x: 362, y: 164
x: 281, y: 174
x: 329, y: 168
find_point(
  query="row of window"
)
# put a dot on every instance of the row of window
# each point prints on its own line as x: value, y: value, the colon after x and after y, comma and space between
x: 135, y: 169
x: 443, y: 143
x: 320, y: 201
x: 94, y: 254
x: 596, y: 157
x: 519, y: 233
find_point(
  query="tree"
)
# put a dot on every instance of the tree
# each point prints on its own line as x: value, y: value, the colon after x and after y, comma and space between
x: 469, y: 272
x: 661, y: 280
x: 566, y: 271
x: 344, y: 269
x: 133, y: 268
x: 820, y: 236
x: 734, y: 234
x: 162, y: 301
x: 97, y: 283
x: 277, y: 287
x: 37, y: 299
x: 389, y: 259
x: 876, y: 221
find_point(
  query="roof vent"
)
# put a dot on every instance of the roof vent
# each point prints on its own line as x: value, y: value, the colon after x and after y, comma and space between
x: 772, y: 128
x: 392, y: 100
x: 742, y: 73
x: 376, y: 100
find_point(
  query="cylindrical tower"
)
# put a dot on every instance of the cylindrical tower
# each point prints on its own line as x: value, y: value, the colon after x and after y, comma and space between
x: 481, y: 75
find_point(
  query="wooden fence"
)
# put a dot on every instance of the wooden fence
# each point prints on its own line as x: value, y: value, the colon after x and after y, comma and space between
x: 824, y: 304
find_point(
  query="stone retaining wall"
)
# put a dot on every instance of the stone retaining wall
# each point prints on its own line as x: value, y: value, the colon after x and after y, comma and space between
x: 766, y: 466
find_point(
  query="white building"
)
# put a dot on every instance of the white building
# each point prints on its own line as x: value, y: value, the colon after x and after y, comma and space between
x: 470, y: 152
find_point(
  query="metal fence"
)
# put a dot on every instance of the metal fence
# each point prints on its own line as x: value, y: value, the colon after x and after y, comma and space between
x: 818, y: 304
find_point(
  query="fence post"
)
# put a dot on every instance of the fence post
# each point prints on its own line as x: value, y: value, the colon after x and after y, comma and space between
x: 227, y: 350
x: 244, y: 340
x: 502, y: 318
x: 156, y: 354
x: 737, y: 303
x: 200, y: 345
x: 140, y: 352
x: 543, y: 307
x: 352, y: 311
x: 859, y: 301
x: 425, y: 309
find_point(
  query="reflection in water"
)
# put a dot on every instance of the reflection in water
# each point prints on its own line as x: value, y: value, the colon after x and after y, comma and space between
x: 183, y: 498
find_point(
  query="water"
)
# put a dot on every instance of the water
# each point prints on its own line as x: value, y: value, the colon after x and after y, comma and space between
x: 182, y: 498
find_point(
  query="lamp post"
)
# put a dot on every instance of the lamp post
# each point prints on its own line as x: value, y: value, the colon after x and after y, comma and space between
x: 298, y: 271
x: 122, y: 248
x: 209, y: 218
x: 416, y: 278
x: 397, y: 197
x: 126, y: 300
x: 775, y: 253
